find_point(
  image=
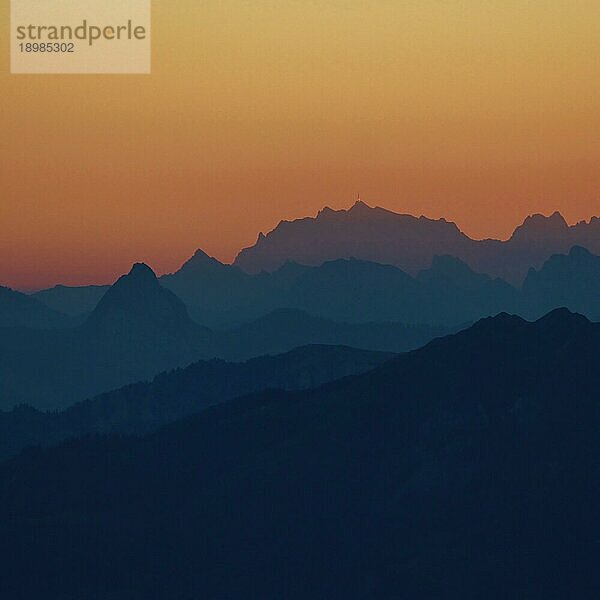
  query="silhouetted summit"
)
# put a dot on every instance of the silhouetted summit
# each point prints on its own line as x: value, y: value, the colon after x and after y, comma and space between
x: 137, y: 299
x: 201, y: 261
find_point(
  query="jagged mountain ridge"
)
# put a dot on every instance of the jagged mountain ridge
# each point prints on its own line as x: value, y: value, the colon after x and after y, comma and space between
x: 410, y: 243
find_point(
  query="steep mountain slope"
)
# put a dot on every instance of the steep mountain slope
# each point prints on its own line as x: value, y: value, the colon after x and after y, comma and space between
x: 468, y: 469
x: 142, y: 407
x: 410, y: 243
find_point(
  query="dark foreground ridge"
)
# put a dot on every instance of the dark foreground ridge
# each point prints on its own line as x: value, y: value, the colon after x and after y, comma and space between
x: 466, y: 469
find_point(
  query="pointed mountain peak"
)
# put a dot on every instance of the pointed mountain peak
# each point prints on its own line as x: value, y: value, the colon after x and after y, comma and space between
x: 138, y: 295
x: 140, y: 276
x: 201, y: 255
x: 141, y: 271
x: 359, y: 207
x: 201, y: 261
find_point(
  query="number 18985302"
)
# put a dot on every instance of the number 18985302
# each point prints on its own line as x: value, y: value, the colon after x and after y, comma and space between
x: 47, y: 47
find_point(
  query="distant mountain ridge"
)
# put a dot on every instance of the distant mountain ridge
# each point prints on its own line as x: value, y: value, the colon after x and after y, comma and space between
x: 448, y: 293
x: 410, y: 243
x: 348, y: 290
x: 301, y: 261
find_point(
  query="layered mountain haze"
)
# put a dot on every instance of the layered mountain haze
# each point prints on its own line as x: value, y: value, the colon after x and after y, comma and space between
x: 140, y: 328
x: 423, y: 475
x: 410, y: 243
x: 144, y: 406
x: 368, y: 264
x: 223, y: 295
x: 283, y: 329
x: 349, y: 290
x: 137, y: 330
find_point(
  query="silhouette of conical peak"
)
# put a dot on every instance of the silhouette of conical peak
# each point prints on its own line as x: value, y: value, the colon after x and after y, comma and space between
x: 201, y: 261
x: 540, y: 225
x: 140, y: 272
x: 139, y: 295
x: 360, y: 206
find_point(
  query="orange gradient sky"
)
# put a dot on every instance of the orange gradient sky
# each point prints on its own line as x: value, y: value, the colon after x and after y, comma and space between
x: 257, y: 110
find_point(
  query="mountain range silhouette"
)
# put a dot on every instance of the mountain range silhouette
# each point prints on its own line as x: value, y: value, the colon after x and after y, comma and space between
x: 410, y: 243
x: 363, y: 405
x: 467, y: 468
x: 142, y: 325
x: 370, y: 264
x: 139, y: 329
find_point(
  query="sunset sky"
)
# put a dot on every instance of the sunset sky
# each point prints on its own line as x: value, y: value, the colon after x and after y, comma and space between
x: 481, y: 111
